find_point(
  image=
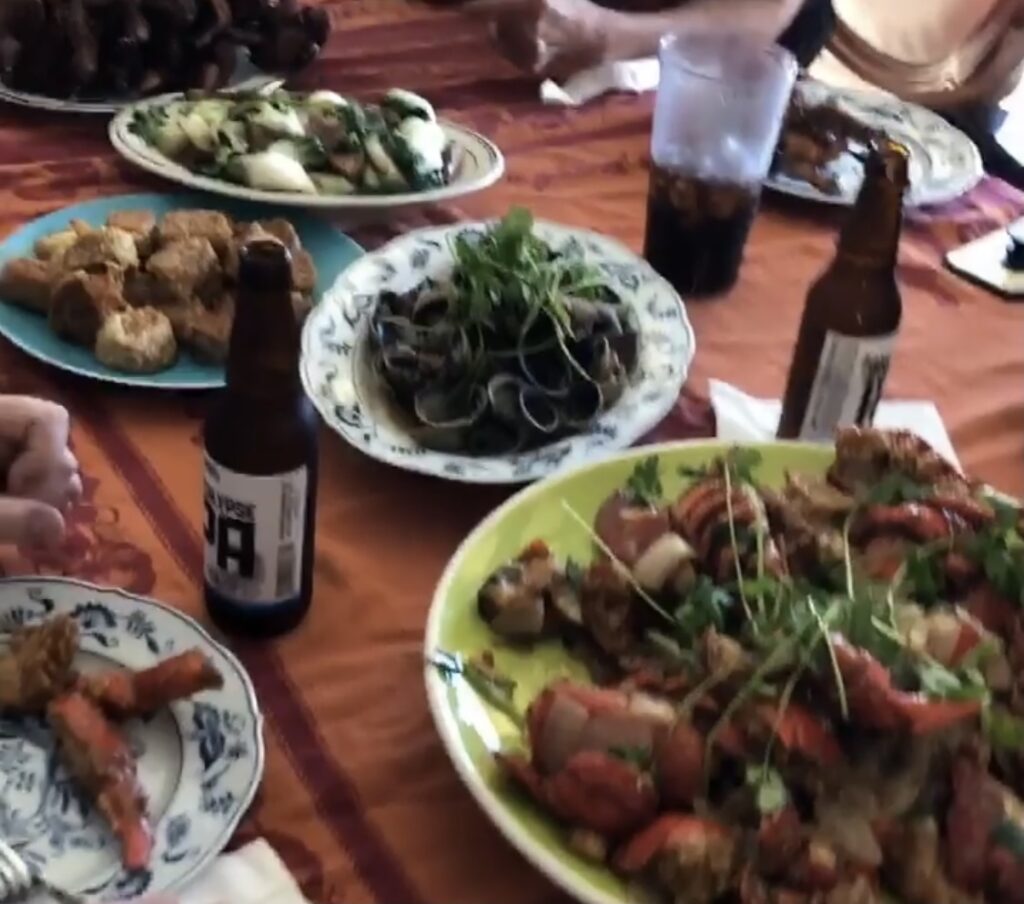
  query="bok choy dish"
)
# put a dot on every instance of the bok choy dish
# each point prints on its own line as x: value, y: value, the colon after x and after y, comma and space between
x: 520, y: 345
x: 802, y: 694
x: 318, y: 143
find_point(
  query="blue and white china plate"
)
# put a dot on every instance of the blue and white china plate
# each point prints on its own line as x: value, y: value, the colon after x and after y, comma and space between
x: 944, y: 162
x: 332, y: 251
x: 340, y: 380
x: 200, y: 761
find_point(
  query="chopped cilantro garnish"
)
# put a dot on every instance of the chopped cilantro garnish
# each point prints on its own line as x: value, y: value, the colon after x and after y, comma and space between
x: 644, y: 484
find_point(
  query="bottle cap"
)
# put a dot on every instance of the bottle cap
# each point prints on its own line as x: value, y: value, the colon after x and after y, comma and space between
x: 265, y: 265
x: 890, y: 160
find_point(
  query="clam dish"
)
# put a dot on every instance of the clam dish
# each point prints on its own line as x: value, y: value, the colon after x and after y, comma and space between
x: 519, y: 346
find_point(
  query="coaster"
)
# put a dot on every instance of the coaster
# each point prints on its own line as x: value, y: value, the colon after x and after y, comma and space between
x: 988, y: 261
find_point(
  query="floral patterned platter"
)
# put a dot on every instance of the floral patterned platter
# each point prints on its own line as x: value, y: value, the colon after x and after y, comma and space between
x: 338, y: 376
x: 200, y: 761
x: 944, y: 162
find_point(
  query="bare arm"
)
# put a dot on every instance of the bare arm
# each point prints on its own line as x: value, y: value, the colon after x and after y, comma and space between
x: 629, y: 35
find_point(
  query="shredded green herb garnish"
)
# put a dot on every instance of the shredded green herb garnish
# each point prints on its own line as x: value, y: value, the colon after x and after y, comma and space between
x: 644, y: 485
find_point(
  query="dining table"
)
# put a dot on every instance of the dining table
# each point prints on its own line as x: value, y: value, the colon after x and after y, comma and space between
x: 359, y: 797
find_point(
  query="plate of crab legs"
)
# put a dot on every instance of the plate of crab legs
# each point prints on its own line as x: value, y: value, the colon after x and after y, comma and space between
x: 130, y: 741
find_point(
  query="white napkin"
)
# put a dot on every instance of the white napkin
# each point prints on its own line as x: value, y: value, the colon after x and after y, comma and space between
x: 742, y: 418
x: 253, y: 874
x: 633, y: 76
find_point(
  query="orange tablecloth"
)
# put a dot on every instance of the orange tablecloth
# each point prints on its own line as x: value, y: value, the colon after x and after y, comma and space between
x: 359, y: 798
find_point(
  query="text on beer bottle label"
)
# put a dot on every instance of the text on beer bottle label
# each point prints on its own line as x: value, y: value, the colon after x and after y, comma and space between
x: 253, y: 530
x: 847, y: 384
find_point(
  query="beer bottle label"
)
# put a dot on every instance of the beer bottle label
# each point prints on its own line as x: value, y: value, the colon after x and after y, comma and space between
x: 254, y: 530
x: 848, y: 383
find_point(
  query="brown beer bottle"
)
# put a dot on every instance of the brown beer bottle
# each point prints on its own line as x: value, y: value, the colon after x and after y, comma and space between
x: 260, y: 468
x: 853, y: 312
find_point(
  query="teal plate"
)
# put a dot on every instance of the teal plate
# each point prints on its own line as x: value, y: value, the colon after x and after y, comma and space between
x: 332, y: 251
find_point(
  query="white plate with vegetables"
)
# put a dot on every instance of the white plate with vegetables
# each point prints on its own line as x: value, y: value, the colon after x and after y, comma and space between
x: 496, y: 352
x: 308, y: 150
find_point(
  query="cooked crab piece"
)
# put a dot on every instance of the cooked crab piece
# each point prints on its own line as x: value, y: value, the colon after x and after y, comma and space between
x: 99, y: 757
x: 513, y: 600
x: 37, y: 667
x: 124, y: 694
x: 865, y: 455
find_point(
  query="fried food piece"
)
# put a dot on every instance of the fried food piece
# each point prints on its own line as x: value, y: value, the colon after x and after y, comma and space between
x: 208, y: 332
x: 303, y: 271
x: 82, y: 302
x: 282, y: 230
x: 27, y: 282
x: 99, y: 757
x: 142, y: 290
x: 137, y: 340
x: 211, y: 225
x: 52, y: 247
x: 301, y: 304
x: 37, y: 666
x: 124, y: 694
x: 103, y: 246
x: 140, y: 224
x: 186, y: 268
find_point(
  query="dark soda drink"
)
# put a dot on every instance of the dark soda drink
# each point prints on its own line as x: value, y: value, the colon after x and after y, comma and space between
x: 697, y: 229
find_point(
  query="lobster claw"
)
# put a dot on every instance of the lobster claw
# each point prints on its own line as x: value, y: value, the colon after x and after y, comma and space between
x: 697, y: 854
x: 593, y: 790
x: 875, y: 703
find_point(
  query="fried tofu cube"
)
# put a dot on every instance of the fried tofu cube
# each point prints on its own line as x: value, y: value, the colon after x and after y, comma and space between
x: 102, y: 246
x: 303, y: 271
x: 140, y: 224
x: 53, y: 246
x: 186, y: 268
x: 301, y: 305
x: 137, y: 340
x: 211, y: 225
x: 209, y: 332
x: 281, y: 230
x: 27, y: 282
x: 82, y: 301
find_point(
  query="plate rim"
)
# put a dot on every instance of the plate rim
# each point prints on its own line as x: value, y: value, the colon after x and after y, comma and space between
x: 962, y: 186
x: 421, y: 464
x: 183, y: 195
x: 251, y: 702
x: 158, y: 164
x: 538, y: 855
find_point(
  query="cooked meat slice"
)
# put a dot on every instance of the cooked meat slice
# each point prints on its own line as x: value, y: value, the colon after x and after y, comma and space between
x: 38, y: 665
x: 281, y: 230
x: 301, y: 305
x: 100, y: 758
x: 26, y: 282
x: 104, y: 246
x: 211, y: 225
x: 82, y: 301
x: 186, y: 268
x: 52, y: 247
x: 124, y: 694
x: 303, y: 271
x: 137, y: 340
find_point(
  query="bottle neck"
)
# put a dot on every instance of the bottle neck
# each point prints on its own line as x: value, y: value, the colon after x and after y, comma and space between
x: 263, y: 353
x: 871, y: 237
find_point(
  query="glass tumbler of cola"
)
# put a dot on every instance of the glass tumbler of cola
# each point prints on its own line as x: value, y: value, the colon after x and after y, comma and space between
x: 719, y: 108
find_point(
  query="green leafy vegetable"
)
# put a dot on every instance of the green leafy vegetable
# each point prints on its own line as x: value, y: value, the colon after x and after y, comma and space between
x: 999, y: 550
x: 1003, y: 730
x: 644, y: 485
x: 895, y: 488
x: 706, y: 606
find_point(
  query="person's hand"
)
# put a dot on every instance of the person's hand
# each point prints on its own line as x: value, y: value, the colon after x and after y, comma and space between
x: 547, y: 37
x: 41, y: 480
